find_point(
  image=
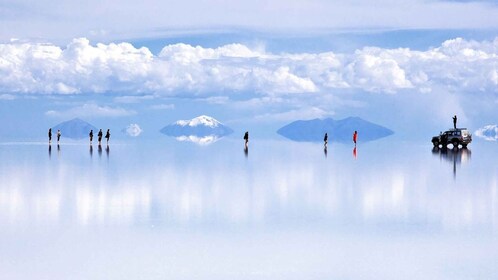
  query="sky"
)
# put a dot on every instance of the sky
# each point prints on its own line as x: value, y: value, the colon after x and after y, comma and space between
x: 251, y: 64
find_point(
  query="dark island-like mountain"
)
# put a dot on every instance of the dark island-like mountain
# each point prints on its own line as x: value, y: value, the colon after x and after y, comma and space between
x: 338, y: 130
x: 201, y: 126
x: 74, y: 129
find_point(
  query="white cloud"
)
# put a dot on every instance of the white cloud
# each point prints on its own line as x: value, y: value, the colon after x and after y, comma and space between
x: 104, y: 18
x: 488, y: 132
x: 7, y: 97
x: 162, y: 106
x: 181, y: 69
x: 91, y: 110
x: 133, y: 130
x: 291, y: 115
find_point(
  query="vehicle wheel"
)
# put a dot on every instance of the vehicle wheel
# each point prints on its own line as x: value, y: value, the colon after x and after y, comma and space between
x: 435, y: 143
x: 464, y: 146
x: 455, y: 144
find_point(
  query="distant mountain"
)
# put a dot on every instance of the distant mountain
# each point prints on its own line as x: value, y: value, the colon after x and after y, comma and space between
x: 338, y: 130
x: 199, y: 127
x: 74, y: 129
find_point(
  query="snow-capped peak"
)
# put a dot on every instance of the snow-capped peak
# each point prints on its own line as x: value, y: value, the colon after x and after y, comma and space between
x: 200, y: 120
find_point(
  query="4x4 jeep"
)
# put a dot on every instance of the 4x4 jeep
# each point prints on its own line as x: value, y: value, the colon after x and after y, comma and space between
x: 458, y: 136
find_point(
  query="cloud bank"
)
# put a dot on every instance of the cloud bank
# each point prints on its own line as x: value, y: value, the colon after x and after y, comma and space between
x: 91, y: 110
x: 180, y: 69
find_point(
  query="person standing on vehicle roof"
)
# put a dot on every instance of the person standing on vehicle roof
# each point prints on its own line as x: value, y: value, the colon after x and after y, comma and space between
x: 454, y: 121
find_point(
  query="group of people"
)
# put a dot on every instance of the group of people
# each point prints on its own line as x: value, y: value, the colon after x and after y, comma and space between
x: 326, y: 139
x: 99, y: 135
x: 50, y: 136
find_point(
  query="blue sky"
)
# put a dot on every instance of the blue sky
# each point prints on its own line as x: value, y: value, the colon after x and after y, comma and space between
x: 253, y: 65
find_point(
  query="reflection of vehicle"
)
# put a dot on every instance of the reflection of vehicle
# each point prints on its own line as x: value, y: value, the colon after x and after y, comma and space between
x: 457, y: 136
x: 454, y: 156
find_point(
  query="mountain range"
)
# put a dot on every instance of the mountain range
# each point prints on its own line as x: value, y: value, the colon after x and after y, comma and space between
x: 337, y: 130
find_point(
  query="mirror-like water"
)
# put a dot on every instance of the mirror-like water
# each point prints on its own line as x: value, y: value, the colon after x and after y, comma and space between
x: 283, y: 210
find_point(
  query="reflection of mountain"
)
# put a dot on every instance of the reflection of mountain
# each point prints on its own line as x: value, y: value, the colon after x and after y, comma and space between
x: 74, y: 129
x: 206, y: 140
x: 338, y: 130
x: 202, y: 130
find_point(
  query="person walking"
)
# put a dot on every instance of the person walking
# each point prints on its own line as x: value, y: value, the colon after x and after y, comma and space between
x: 49, y: 136
x: 325, y: 140
x: 58, y: 136
x: 107, y: 136
x: 454, y: 121
x: 91, y: 136
x: 246, y: 139
x: 355, y: 137
x: 100, y: 136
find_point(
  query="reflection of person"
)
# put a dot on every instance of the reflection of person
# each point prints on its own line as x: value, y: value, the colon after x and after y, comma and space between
x: 107, y: 136
x: 325, y: 139
x: 354, y: 152
x: 355, y: 136
x: 91, y: 151
x: 58, y: 135
x: 246, y: 138
x: 454, y: 121
x: 50, y: 135
x: 91, y: 136
x: 100, y: 136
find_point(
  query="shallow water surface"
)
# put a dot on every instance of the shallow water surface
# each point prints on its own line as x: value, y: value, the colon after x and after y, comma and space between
x: 283, y: 210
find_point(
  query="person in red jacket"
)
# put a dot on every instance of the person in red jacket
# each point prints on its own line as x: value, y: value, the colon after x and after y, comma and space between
x: 355, y: 137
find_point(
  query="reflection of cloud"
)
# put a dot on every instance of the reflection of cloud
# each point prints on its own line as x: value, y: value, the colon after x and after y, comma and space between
x: 133, y: 130
x: 91, y: 110
x: 206, y: 140
x: 488, y: 132
x: 215, y: 190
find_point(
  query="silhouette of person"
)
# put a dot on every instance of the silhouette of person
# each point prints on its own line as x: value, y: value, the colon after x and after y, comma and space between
x: 91, y: 136
x: 246, y: 138
x: 107, y: 136
x: 58, y: 136
x: 325, y: 139
x: 355, y: 137
x: 100, y: 136
x: 454, y: 121
x: 49, y: 136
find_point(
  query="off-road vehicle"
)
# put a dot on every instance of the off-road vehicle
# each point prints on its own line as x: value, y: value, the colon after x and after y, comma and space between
x: 457, y: 136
